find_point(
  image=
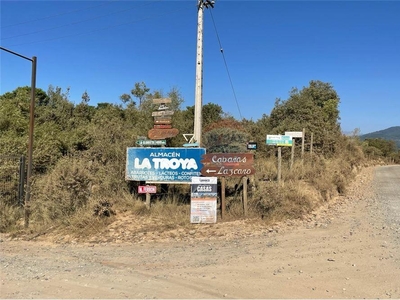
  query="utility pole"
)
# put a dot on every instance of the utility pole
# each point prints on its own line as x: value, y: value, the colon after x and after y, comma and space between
x: 198, y: 104
x: 30, y: 138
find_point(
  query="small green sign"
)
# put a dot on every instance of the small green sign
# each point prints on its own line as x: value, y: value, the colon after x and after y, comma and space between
x: 151, y: 142
x: 279, y: 140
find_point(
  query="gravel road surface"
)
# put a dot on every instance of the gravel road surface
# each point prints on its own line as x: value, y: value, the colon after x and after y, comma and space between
x: 349, y: 248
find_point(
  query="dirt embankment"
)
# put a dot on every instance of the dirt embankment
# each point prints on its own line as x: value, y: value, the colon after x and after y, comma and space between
x: 349, y: 248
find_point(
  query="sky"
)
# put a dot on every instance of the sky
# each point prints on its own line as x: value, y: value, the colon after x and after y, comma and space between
x: 268, y: 47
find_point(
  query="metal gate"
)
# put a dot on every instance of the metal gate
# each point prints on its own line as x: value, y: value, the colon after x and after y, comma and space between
x: 12, y: 179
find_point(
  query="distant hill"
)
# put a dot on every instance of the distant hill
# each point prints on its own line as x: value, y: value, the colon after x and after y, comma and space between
x: 392, y: 133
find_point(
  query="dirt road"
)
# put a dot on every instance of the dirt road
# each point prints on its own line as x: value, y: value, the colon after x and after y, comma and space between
x: 348, y: 249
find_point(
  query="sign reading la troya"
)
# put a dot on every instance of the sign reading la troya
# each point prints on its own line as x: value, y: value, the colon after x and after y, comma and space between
x: 168, y: 165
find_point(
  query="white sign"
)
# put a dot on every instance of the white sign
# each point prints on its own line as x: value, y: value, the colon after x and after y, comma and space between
x: 294, y: 134
x: 203, y: 200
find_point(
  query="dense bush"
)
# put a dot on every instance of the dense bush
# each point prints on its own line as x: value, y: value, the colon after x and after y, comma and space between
x: 80, y: 152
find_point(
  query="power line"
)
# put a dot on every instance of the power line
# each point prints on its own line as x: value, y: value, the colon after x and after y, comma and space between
x: 73, y: 23
x: 96, y: 30
x: 60, y: 14
x: 226, y: 65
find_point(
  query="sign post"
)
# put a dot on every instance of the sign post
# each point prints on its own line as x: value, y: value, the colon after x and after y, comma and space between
x: 229, y: 165
x: 279, y: 164
x: 280, y: 141
x: 300, y: 135
x: 162, y: 128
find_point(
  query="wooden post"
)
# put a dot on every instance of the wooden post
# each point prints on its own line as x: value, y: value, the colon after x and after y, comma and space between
x: 253, y: 186
x: 222, y: 197
x: 148, y: 200
x: 311, y: 147
x: 244, y: 180
x: 279, y: 164
x: 302, y: 143
x: 292, y: 154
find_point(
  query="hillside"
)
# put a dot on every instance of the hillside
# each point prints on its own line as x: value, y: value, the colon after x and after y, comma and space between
x: 391, y: 133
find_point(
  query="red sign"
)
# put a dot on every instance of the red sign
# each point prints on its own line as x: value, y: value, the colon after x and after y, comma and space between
x: 227, y: 171
x: 147, y: 189
x: 161, y: 133
x: 158, y: 126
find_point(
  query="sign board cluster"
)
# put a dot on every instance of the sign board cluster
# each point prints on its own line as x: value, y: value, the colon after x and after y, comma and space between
x: 228, y: 164
x: 162, y: 128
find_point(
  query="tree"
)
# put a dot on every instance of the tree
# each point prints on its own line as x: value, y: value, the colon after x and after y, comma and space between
x: 314, y: 108
x: 226, y: 136
x: 85, y: 97
x: 385, y: 147
x: 140, y: 91
x: 211, y: 113
x: 225, y: 140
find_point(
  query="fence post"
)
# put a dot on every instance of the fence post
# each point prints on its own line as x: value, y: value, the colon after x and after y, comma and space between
x: 279, y: 164
x: 21, y: 185
x: 244, y: 182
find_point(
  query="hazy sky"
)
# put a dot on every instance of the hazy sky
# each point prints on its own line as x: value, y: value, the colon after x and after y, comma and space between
x: 268, y: 47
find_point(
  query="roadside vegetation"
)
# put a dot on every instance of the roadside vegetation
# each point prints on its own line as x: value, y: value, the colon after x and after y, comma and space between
x: 79, y: 158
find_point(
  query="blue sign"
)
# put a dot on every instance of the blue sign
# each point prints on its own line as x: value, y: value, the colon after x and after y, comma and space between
x: 175, y: 165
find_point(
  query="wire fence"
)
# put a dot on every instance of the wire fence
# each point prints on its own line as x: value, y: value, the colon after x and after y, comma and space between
x: 12, y: 179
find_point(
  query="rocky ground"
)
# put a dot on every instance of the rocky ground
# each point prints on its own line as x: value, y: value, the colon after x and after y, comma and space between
x: 349, y: 248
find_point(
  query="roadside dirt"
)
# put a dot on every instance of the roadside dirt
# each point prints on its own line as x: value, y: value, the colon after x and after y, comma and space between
x: 349, y: 248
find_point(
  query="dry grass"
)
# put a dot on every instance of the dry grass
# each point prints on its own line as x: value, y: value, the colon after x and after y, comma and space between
x: 81, y: 198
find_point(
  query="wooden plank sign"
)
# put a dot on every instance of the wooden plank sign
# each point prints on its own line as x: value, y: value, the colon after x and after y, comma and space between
x: 227, y: 171
x: 162, y: 113
x: 162, y: 100
x: 162, y: 133
x: 226, y: 159
x: 162, y: 126
x: 162, y: 120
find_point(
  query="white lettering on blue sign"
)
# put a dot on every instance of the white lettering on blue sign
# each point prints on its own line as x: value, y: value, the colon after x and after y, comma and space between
x: 166, y: 163
x: 165, y: 154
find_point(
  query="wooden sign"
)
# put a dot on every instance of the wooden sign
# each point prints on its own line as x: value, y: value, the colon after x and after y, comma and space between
x: 161, y: 133
x: 164, y: 126
x: 226, y: 159
x: 162, y: 100
x: 227, y: 171
x: 162, y: 113
x: 162, y: 120
x: 162, y: 107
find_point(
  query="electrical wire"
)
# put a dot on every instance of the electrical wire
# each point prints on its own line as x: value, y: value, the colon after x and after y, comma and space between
x: 73, y: 23
x: 96, y: 30
x: 226, y: 65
